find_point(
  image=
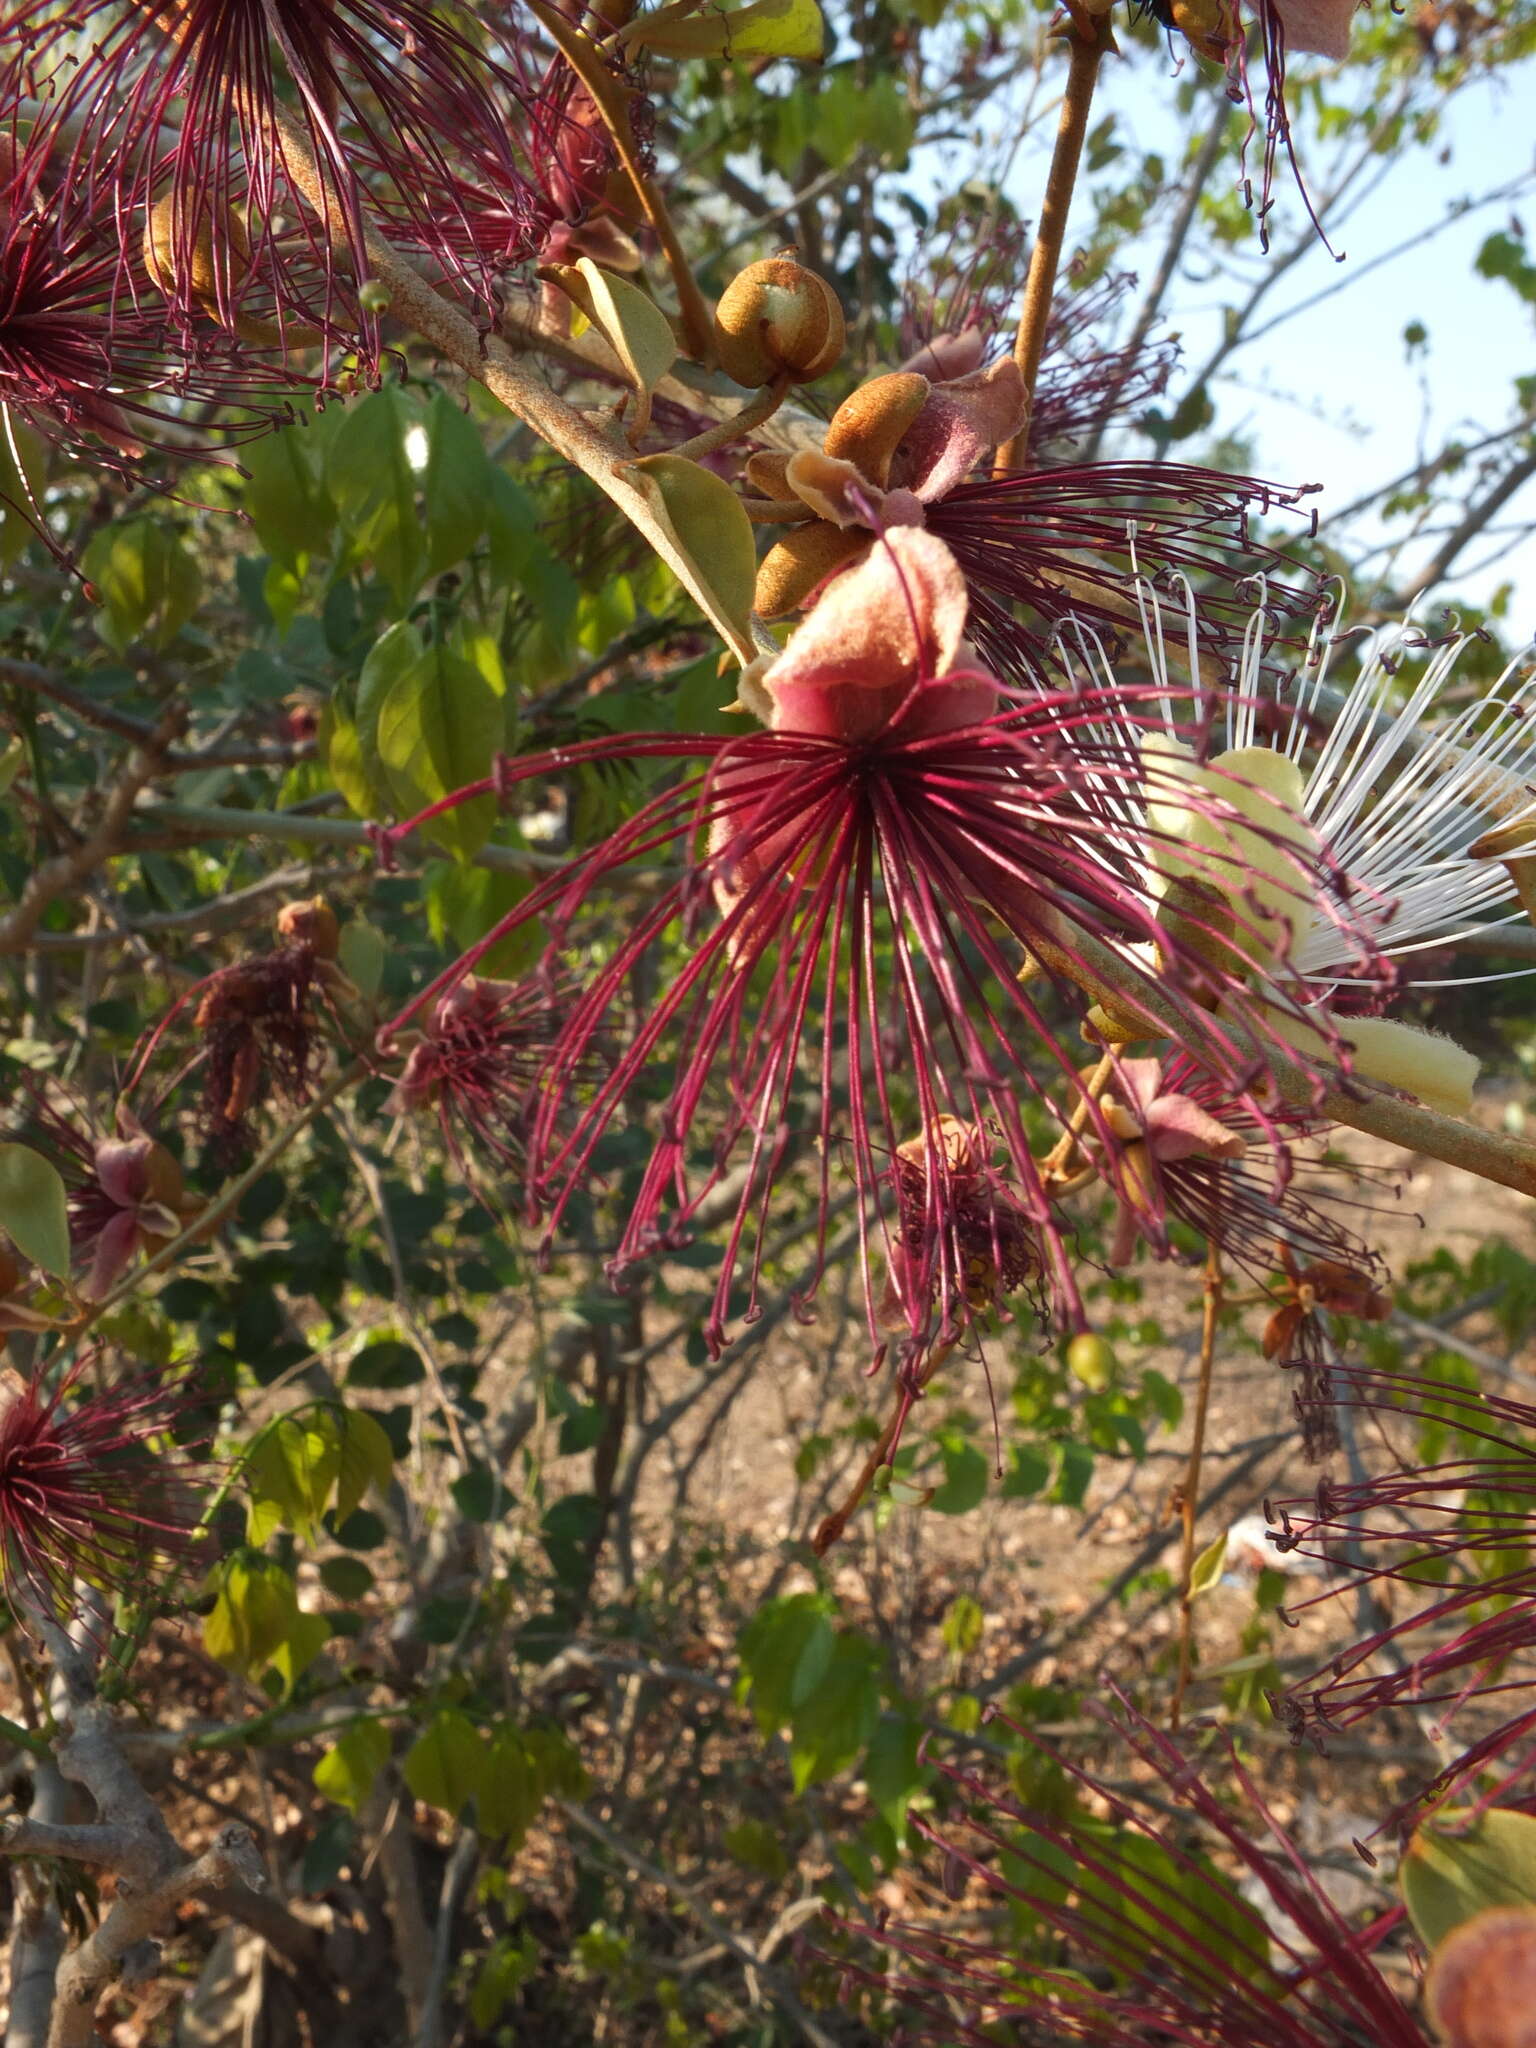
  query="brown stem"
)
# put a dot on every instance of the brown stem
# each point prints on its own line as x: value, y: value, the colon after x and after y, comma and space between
x: 1189, y: 1498
x: 1090, y: 39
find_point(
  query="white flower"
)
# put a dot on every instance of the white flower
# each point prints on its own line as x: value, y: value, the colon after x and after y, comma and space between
x: 1357, y: 788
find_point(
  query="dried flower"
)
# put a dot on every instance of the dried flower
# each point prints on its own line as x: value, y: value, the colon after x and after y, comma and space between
x: 988, y: 1249
x: 91, y: 1486
x: 256, y: 1018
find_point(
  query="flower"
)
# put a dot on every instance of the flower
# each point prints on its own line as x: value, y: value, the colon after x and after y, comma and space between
x: 1215, y: 30
x: 1407, y: 825
x: 126, y: 1194
x: 1141, y: 1936
x: 424, y: 117
x: 91, y: 1486
x: 86, y: 360
x: 477, y: 1061
x: 875, y: 865
x: 1453, y: 1519
x: 1057, y: 541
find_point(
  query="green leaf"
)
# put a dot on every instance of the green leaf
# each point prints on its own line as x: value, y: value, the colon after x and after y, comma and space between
x: 366, y: 1459
x: 440, y: 727
x: 961, y: 1629
x: 284, y: 497
x: 464, y: 902
x: 449, y: 1763
x: 371, y: 476
x: 633, y: 326
x: 840, y: 1716
x: 306, y: 1637
x: 361, y: 954
x: 786, y: 1650
x: 756, y: 1846
x: 347, y: 1770
x: 346, y: 1578
x: 965, y: 1479
x: 393, y: 655
x: 1207, y: 1568
x: 148, y: 582
x: 704, y: 517
x: 765, y: 28
x: 23, y: 472
x: 34, y: 1210
x: 456, y: 485
x: 1147, y: 1904
x: 1455, y: 1867
x: 289, y: 1472
x: 891, y: 1769
x: 253, y: 1614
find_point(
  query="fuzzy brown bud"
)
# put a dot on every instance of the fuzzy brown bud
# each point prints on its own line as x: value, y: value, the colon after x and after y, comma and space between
x: 311, y: 924
x: 1481, y: 1988
x: 777, y: 317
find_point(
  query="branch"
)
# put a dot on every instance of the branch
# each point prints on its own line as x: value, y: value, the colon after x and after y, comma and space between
x: 1477, y: 516
x: 41, y: 682
x: 63, y: 875
x: 598, y: 453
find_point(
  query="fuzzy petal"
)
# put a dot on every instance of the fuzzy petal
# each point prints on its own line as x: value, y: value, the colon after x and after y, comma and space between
x: 1437, y: 1070
x: 946, y: 356
x: 895, y: 619
x: 959, y: 422
x: 1318, y: 27
x: 1180, y: 1129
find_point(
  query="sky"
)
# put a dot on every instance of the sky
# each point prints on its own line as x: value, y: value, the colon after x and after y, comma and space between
x: 1334, y: 396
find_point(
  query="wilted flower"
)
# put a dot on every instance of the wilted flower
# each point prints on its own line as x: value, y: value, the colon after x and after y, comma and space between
x: 989, y: 1252
x: 478, y: 1059
x: 1145, y: 1938
x: 878, y: 862
x: 91, y: 1486
x: 1453, y: 1519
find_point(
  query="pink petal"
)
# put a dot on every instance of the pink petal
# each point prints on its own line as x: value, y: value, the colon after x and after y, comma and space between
x: 122, y: 1167
x: 895, y: 617
x: 1180, y: 1129
x: 1318, y: 27
x: 959, y: 422
x: 114, y: 1250
x: 945, y: 356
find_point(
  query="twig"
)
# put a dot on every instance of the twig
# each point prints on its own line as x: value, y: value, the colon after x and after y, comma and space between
x: 1089, y: 43
x: 636, y: 1859
x: 456, y: 1879
x: 64, y: 874
x: 1189, y: 1497
x: 41, y: 682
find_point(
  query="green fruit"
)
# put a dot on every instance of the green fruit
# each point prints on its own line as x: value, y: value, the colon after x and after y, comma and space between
x: 1091, y: 1361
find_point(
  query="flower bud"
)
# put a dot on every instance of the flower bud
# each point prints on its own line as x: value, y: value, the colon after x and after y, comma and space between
x: 311, y: 924
x: 1481, y: 1988
x: 871, y: 423
x: 183, y: 263
x: 1091, y: 1361
x: 778, y: 317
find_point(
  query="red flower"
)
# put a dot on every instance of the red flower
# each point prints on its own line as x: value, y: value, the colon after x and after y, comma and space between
x: 91, y: 1487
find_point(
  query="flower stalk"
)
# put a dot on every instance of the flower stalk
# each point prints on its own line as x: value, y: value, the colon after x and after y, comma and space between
x: 1189, y: 1492
x: 1090, y: 40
